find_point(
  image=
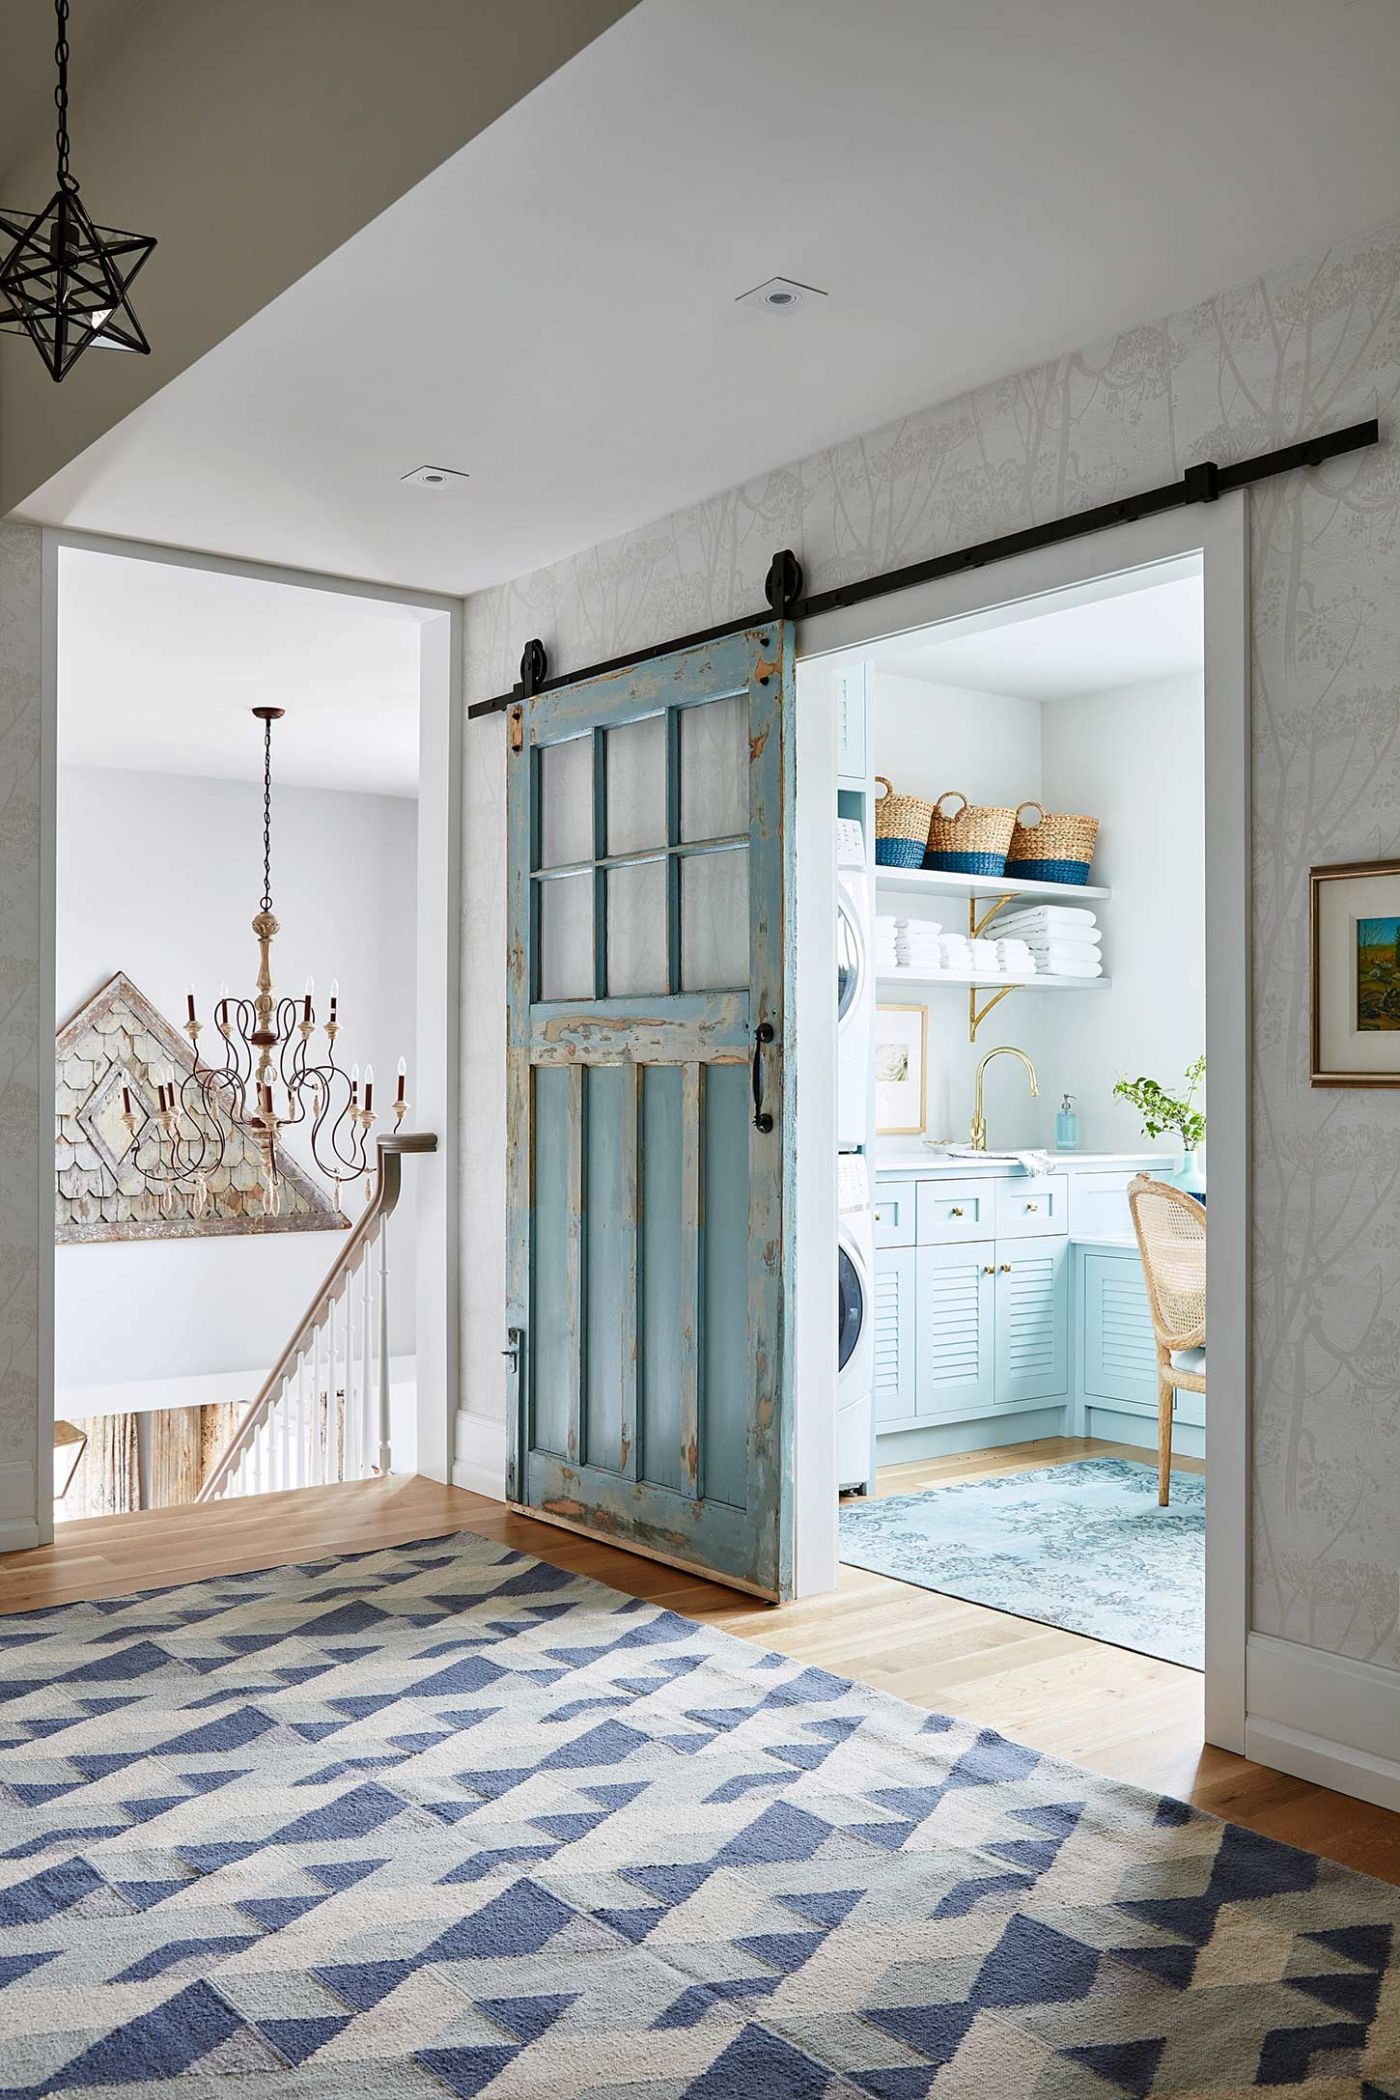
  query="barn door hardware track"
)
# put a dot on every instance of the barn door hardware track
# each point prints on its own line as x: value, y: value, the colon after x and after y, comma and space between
x: 1204, y: 483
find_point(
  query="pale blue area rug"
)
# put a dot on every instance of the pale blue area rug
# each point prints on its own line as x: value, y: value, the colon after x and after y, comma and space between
x: 1085, y: 1546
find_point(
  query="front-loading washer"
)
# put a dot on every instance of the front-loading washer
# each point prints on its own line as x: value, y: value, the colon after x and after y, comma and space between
x: 855, y: 1327
x: 855, y: 985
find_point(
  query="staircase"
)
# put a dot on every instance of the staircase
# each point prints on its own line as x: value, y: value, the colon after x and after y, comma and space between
x: 323, y: 1412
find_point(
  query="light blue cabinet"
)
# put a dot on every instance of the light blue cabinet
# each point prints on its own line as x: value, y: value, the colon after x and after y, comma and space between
x: 1032, y: 1321
x: 1115, y: 1352
x: 955, y: 1331
x: 994, y: 1324
x: 894, y: 1335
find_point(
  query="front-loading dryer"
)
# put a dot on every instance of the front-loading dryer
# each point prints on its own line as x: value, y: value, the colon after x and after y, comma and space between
x: 855, y: 985
x: 855, y: 1326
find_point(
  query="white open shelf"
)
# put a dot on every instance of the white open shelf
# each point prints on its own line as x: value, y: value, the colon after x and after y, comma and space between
x: 986, y: 983
x: 932, y: 882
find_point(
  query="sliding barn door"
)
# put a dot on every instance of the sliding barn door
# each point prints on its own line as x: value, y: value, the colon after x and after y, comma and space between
x: 650, y: 1125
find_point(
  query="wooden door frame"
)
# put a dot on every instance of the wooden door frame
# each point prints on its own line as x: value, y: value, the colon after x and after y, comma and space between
x: 1219, y: 535
x: 437, y: 1211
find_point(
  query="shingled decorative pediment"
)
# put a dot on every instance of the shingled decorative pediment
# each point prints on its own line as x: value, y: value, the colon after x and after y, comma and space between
x: 119, y: 1040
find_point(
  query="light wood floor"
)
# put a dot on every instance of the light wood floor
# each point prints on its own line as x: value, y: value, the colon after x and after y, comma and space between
x: 1118, y: 1713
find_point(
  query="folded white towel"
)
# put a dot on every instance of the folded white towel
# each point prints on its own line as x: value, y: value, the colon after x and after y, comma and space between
x: 1038, y: 946
x: 1046, y: 916
x: 1068, y: 966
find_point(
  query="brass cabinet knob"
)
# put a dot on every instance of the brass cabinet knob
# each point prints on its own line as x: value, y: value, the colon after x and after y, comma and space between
x: 989, y: 1268
x: 1032, y: 1206
x: 956, y: 1211
x: 1006, y: 1268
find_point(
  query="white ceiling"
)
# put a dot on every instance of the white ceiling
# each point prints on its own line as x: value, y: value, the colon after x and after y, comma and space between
x: 976, y: 189
x: 1068, y: 652
x: 158, y: 667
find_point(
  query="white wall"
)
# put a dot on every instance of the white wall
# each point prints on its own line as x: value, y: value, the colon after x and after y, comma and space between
x: 928, y: 738
x: 23, y: 1057
x: 159, y: 875
x: 1136, y: 760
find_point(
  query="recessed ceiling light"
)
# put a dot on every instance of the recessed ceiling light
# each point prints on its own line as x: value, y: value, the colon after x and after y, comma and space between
x: 781, y: 295
x: 433, y: 477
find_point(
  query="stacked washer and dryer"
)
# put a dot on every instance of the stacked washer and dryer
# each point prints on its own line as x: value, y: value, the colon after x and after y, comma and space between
x: 855, y: 1289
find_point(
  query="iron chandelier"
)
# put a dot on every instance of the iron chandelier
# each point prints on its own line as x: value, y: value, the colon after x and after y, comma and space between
x: 267, y: 1079
x: 64, y: 281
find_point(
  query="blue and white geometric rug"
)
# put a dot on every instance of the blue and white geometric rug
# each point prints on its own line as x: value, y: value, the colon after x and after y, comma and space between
x: 445, y: 1820
x: 1085, y: 1546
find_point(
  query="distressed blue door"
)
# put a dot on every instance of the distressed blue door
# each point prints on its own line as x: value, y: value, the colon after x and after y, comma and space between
x: 650, y: 965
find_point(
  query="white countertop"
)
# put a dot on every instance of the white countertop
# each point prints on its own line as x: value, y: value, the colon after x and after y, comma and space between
x: 919, y: 1160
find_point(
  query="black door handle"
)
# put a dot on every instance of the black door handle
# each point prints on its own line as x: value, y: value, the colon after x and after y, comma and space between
x: 762, y: 1035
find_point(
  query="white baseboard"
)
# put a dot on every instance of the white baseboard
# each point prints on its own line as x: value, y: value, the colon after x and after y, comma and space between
x: 17, y: 1534
x: 480, y: 1461
x: 1324, y: 1718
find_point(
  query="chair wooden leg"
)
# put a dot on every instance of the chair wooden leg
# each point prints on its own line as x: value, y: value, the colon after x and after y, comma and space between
x: 1165, y: 1395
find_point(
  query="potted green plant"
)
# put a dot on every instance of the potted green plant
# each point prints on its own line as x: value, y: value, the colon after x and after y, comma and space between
x: 1162, y: 1112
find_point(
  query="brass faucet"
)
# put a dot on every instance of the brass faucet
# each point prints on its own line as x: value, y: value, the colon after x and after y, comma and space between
x: 979, y: 1121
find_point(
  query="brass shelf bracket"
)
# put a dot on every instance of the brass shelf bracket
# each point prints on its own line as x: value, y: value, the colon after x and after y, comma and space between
x: 976, y: 922
x: 976, y: 1016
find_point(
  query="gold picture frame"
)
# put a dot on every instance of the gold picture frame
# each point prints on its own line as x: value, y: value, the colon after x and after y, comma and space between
x: 1354, y: 973
x: 901, y: 1093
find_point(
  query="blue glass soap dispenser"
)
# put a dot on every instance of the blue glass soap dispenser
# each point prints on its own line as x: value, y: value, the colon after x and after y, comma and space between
x: 1067, y: 1126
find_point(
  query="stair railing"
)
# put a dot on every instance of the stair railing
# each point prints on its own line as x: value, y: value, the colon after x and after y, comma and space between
x: 322, y: 1413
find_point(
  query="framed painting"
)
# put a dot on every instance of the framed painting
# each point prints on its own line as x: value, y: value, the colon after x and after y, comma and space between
x: 1355, y: 928
x: 901, y: 1068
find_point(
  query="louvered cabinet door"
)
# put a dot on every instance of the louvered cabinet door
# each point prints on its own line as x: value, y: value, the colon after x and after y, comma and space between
x: 894, y: 1336
x: 954, y: 1338
x: 1032, y: 1320
x: 1119, y: 1354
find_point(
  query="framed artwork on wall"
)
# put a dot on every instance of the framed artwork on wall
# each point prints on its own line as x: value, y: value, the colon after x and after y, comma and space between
x: 1355, y: 932
x: 901, y: 1067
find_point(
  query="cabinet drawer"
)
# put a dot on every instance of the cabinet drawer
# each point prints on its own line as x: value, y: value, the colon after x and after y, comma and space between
x: 894, y: 1214
x: 1098, y: 1202
x: 952, y: 1211
x: 1031, y: 1203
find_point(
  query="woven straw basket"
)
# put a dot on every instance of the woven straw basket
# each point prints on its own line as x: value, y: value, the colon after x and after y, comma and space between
x: 1052, y: 849
x: 901, y: 827
x: 973, y: 841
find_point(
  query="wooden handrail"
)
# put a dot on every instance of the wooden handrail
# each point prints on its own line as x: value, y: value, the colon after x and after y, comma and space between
x: 377, y: 1212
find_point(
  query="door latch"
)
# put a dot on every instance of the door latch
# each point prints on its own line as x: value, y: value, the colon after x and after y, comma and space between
x: 512, y: 1350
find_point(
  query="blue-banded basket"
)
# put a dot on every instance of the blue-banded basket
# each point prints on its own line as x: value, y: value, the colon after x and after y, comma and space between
x: 973, y: 841
x: 901, y: 827
x: 1054, y: 848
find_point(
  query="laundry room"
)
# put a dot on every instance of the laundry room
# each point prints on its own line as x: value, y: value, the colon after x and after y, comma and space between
x: 1021, y: 1114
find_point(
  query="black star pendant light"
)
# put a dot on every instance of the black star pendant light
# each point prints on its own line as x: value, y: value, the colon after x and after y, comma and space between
x: 63, y: 280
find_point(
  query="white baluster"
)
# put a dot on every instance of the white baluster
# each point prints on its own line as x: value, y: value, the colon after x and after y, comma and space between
x: 371, y: 1269
x: 382, y: 1468
x: 277, y: 1427
x: 308, y: 1405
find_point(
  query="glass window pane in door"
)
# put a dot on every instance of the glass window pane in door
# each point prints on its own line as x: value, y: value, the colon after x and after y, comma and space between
x: 715, y: 920
x: 637, y: 785
x: 715, y: 769
x: 637, y: 929
x: 566, y: 802
x: 566, y: 937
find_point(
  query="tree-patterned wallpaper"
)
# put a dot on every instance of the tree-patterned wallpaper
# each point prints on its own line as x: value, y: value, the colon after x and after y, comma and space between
x: 1309, y: 348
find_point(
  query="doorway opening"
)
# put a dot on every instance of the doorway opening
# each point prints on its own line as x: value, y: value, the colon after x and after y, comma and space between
x: 1021, y: 812
x: 218, y: 1162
